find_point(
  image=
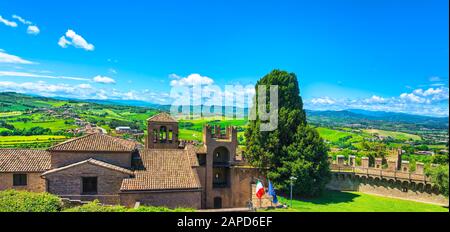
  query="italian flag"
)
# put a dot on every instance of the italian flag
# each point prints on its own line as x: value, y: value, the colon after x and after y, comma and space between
x: 259, y: 190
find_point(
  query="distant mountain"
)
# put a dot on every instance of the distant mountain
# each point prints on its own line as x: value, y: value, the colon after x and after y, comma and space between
x: 357, y: 116
x: 10, y: 101
x: 393, y: 116
x: 124, y: 103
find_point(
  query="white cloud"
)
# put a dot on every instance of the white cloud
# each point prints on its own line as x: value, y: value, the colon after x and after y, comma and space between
x: 104, y: 80
x: 63, y: 42
x: 323, y: 101
x: 72, y: 38
x: 434, y: 94
x: 34, y: 75
x: 411, y: 97
x: 191, y: 80
x: 82, y: 91
x: 46, y: 89
x: 96, y: 79
x: 375, y: 99
x: 113, y: 71
x: 432, y: 102
x: 12, y: 59
x: 33, y: 30
x: 7, y: 22
x: 435, y: 79
x: 174, y: 76
x: 22, y: 20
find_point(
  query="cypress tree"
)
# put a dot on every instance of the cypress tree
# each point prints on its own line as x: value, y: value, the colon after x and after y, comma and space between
x: 294, y: 148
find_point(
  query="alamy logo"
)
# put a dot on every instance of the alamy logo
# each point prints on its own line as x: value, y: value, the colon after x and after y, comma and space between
x: 235, y: 102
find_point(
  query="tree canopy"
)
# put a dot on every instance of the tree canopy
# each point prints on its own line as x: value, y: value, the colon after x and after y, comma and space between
x: 294, y: 148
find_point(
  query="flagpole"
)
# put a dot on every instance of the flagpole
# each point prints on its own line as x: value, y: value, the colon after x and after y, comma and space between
x: 293, y: 178
x: 271, y: 201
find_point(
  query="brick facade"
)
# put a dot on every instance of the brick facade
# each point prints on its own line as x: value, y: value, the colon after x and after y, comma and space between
x: 186, y: 199
x: 68, y: 182
x: 60, y: 159
x: 34, y: 182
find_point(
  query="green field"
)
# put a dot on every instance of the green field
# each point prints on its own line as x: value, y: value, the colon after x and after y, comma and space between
x: 333, y: 135
x: 332, y: 201
x: 36, y: 140
x: 10, y: 114
x: 186, y: 134
x: 193, y: 129
x: 394, y: 134
x: 54, y: 125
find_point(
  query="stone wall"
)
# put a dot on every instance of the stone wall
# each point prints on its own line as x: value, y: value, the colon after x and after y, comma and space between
x: 423, y: 192
x: 153, y: 140
x: 175, y: 199
x: 60, y: 159
x: 264, y: 202
x: 214, y: 141
x: 68, y: 183
x: 34, y: 182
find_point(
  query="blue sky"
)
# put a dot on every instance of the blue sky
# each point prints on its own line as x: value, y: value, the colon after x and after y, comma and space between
x: 376, y: 55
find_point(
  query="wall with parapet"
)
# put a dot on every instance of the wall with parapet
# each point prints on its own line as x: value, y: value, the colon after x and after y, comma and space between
x: 393, y: 181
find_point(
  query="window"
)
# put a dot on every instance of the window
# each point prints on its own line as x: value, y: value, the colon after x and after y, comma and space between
x: 201, y: 159
x: 163, y: 134
x: 155, y: 136
x: 89, y: 185
x: 220, y: 178
x: 19, y: 179
x: 217, y: 203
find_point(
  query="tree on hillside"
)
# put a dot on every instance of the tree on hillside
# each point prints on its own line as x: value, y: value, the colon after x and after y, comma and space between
x: 440, y: 178
x: 294, y: 148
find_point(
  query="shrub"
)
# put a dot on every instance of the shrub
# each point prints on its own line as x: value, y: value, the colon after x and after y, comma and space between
x: 21, y: 201
x: 149, y: 209
x: 95, y: 206
x: 440, y: 178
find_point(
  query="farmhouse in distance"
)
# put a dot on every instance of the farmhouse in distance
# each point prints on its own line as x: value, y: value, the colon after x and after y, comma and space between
x: 165, y: 172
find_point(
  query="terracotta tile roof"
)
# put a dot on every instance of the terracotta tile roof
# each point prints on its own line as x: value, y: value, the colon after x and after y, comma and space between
x: 200, y: 150
x: 93, y: 162
x: 19, y: 160
x: 192, y: 153
x: 163, y: 169
x: 162, y: 117
x: 96, y: 142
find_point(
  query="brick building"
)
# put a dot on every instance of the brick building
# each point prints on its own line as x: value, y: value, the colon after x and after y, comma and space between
x: 166, y: 172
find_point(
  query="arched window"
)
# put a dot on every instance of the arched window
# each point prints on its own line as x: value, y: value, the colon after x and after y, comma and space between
x: 163, y: 134
x: 155, y: 136
x: 221, y: 155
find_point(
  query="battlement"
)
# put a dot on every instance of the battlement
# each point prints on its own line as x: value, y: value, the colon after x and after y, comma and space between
x: 379, y: 164
x: 215, y: 133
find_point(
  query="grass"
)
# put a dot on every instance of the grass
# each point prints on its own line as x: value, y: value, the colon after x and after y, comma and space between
x: 193, y: 129
x: 54, y: 125
x: 190, y: 135
x: 333, y: 201
x: 394, y: 134
x: 332, y: 135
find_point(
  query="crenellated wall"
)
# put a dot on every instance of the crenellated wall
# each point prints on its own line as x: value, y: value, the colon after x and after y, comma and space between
x: 393, y: 181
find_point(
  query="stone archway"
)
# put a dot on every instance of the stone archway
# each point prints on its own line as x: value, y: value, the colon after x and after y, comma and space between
x: 221, y: 155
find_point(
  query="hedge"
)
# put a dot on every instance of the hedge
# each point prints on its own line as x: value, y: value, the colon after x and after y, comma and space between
x: 95, y: 206
x: 21, y: 201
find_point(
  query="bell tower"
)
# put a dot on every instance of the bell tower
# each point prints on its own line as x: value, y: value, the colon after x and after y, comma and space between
x: 162, y: 132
